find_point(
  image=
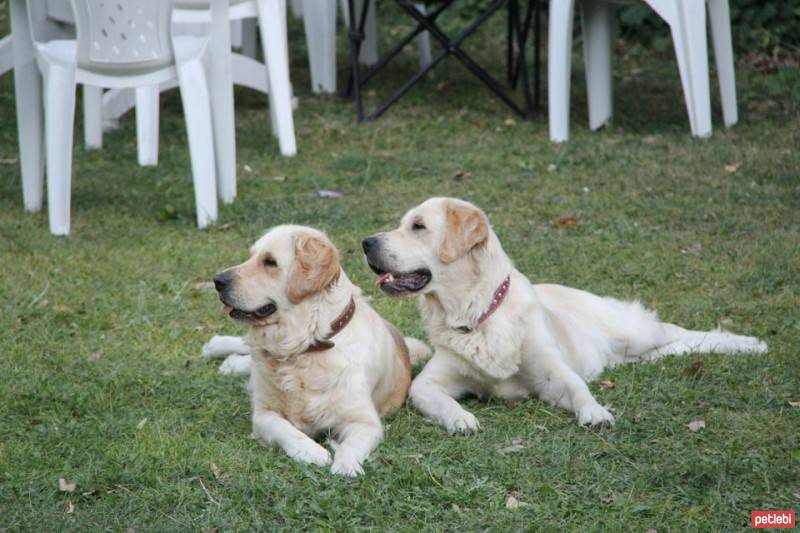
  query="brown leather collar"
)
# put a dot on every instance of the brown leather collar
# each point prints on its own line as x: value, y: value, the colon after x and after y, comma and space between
x: 497, y: 299
x: 336, y: 326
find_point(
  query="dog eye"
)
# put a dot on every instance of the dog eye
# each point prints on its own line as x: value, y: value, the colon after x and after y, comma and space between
x: 417, y: 226
x: 270, y: 262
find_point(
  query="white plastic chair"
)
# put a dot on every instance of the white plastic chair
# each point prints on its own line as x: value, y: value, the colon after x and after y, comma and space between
x: 687, y: 22
x: 271, y: 77
x: 319, y: 17
x: 6, y: 54
x: 123, y: 44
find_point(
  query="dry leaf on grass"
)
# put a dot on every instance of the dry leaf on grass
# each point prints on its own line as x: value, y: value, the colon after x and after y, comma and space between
x: 792, y: 404
x: 516, y: 445
x: 513, y: 503
x: 695, y: 369
x: 141, y: 423
x: 566, y: 222
x: 248, y: 168
x: 733, y: 167
x: 696, y: 425
x: 66, y: 486
x: 217, y: 471
x: 326, y: 193
x: 70, y: 507
x: 90, y: 493
x: 695, y: 249
x: 606, y: 384
x: 278, y: 178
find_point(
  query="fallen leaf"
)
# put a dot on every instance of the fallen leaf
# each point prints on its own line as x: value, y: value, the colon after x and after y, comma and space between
x: 70, y: 507
x: 90, y: 493
x: 695, y: 249
x: 278, y: 178
x: 696, y: 425
x: 606, y: 384
x: 551, y: 167
x: 11, y: 161
x: 217, y: 471
x: 458, y: 174
x: 733, y: 167
x: 96, y: 356
x: 66, y: 486
x: 695, y: 369
x: 248, y: 168
x: 203, y: 285
x: 566, y: 222
x: 141, y: 423
x: 792, y: 404
x: 224, y: 227
x: 513, y: 503
x: 325, y: 193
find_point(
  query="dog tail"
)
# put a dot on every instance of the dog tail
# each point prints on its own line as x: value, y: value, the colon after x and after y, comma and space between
x: 714, y: 341
x: 418, y: 351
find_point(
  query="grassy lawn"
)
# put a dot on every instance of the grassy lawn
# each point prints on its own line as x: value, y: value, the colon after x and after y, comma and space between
x: 101, y: 331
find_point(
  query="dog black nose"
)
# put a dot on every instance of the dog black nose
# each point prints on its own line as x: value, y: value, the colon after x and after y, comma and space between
x: 368, y: 243
x: 221, y: 281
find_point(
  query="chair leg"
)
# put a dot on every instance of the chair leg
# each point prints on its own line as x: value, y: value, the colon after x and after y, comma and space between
x: 249, y: 37
x: 220, y: 83
x: 93, y: 117
x: 30, y: 116
x: 6, y: 54
x: 272, y: 21
x: 423, y: 42
x: 197, y: 113
x: 59, y: 105
x: 319, y: 17
x: 597, y: 22
x: 693, y: 21
x: 559, y: 67
x: 720, y: 21
x: 147, y: 116
x: 369, y: 50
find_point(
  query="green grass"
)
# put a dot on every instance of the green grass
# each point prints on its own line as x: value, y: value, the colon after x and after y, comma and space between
x: 101, y: 331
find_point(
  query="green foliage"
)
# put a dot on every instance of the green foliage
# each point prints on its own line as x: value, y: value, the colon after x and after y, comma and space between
x: 757, y: 24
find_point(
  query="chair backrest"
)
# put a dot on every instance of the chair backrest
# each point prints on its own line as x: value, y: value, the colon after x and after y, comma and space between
x: 130, y: 36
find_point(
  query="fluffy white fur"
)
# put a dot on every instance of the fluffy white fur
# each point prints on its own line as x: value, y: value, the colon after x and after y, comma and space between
x: 297, y: 395
x: 544, y: 340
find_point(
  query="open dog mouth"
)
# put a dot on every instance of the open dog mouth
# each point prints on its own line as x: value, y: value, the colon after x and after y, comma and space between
x: 400, y: 283
x: 250, y: 316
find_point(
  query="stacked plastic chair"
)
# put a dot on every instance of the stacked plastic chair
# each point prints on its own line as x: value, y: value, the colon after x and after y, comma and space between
x: 122, y: 44
x: 687, y: 22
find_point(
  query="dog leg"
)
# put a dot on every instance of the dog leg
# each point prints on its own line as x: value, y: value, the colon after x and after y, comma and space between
x: 236, y: 365
x: 358, y: 439
x: 556, y: 383
x: 435, y: 390
x: 273, y: 429
x: 222, y: 345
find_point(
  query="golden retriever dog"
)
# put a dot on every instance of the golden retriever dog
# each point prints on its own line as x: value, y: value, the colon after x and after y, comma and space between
x: 494, y: 333
x: 319, y: 357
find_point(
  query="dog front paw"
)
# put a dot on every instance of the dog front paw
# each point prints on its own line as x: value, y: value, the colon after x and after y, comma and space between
x: 463, y: 422
x: 593, y: 415
x: 310, y: 452
x: 235, y: 365
x: 346, y: 466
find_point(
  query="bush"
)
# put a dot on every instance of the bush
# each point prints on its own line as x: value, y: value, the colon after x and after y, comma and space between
x: 757, y: 25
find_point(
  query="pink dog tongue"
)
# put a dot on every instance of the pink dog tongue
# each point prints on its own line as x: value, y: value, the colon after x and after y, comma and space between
x: 227, y: 309
x: 383, y: 278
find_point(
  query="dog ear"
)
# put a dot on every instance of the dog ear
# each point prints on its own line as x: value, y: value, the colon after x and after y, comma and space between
x: 316, y: 266
x: 466, y: 228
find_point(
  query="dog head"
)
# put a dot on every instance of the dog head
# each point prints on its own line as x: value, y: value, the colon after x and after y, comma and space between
x: 435, y: 242
x: 287, y: 266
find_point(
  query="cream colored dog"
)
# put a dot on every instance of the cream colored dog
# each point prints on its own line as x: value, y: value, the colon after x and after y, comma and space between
x: 494, y: 333
x: 321, y: 357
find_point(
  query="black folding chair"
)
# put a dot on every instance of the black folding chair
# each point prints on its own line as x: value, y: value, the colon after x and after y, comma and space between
x: 518, y: 33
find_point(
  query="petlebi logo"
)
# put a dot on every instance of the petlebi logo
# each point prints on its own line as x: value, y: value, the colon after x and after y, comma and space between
x: 772, y: 519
